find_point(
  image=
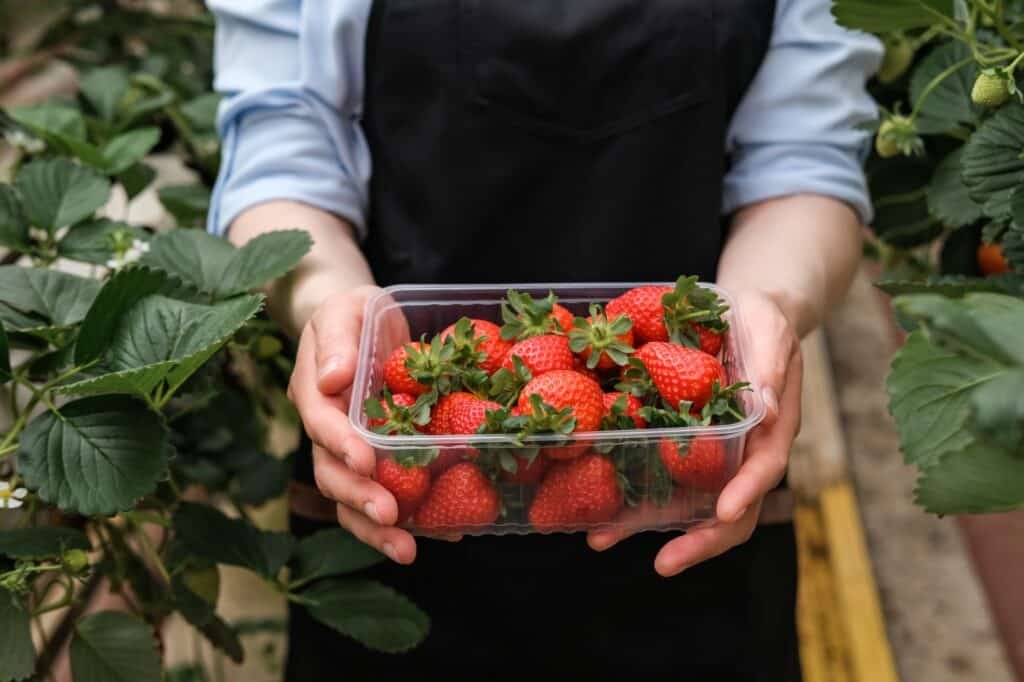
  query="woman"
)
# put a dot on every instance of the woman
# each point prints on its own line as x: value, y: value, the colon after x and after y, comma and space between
x: 552, y: 140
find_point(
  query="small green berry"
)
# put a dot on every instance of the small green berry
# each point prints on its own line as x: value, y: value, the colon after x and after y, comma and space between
x: 268, y: 346
x: 990, y: 89
x: 885, y: 143
x: 74, y: 561
x: 899, y: 54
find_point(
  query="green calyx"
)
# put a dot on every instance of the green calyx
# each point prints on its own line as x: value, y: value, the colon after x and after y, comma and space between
x: 897, y: 135
x: 722, y: 408
x: 617, y: 419
x: 415, y: 457
x: 637, y: 381
x: 446, y: 368
x: 690, y: 304
x: 542, y: 418
x: 466, y: 352
x: 601, y: 336
x: 505, y: 385
x: 399, y: 419
x: 524, y: 317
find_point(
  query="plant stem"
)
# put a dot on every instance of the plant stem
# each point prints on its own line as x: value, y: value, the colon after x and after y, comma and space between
x: 935, y: 82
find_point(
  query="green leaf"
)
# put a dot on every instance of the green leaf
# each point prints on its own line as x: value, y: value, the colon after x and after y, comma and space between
x: 368, y: 612
x: 899, y: 189
x: 979, y: 479
x: 992, y: 163
x: 193, y: 256
x: 93, y: 241
x: 950, y: 285
x: 949, y: 105
x: 331, y: 552
x: 118, y: 295
x: 201, y: 615
x: 997, y: 411
x: 884, y: 16
x: 98, y: 457
x: 17, y: 653
x: 13, y: 225
x: 111, y: 646
x: 948, y: 199
x: 929, y: 392
x: 187, y: 203
x: 41, y: 541
x: 57, y: 193
x: 5, y: 357
x: 263, y: 259
x: 201, y: 112
x: 265, y: 478
x: 163, y: 339
x: 124, y: 151
x: 57, y: 297
x: 213, y: 536
x: 217, y: 268
x: 1013, y: 247
x: 136, y: 179
x: 983, y: 324
x: 51, y: 120
x: 103, y: 88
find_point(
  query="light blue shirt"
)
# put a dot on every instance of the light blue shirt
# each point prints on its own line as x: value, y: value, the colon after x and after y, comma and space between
x: 291, y: 72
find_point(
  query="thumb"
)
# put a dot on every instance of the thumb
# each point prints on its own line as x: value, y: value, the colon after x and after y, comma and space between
x: 337, y: 324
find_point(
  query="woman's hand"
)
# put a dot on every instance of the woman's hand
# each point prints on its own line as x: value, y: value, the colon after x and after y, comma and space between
x: 343, y: 464
x: 775, y: 366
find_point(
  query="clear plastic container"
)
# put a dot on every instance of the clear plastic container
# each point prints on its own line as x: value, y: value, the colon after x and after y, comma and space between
x: 404, y: 312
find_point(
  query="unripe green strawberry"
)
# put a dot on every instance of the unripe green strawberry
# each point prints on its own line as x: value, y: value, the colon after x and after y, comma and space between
x: 886, y: 146
x: 990, y: 89
x: 899, y: 54
x: 74, y: 561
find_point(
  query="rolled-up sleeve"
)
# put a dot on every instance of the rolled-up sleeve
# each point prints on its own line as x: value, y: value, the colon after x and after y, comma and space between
x: 799, y: 128
x: 290, y: 72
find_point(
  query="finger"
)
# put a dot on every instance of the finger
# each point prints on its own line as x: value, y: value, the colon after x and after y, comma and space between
x: 337, y: 324
x: 702, y: 544
x: 395, y: 543
x: 768, y: 448
x: 339, y: 483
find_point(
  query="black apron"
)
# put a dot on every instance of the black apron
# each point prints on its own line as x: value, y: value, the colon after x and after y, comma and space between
x: 561, y: 140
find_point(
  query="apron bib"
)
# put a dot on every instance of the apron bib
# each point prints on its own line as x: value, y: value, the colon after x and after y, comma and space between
x: 561, y: 140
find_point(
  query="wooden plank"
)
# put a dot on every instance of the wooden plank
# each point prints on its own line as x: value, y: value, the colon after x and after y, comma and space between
x: 854, y: 582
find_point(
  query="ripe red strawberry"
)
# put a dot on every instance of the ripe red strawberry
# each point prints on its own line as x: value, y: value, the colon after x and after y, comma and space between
x: 527, y: 472
x: 400, y: 400
x: 541, y: 354
x: 461, y: 497
x: 485, y: 340
x: 396, y: 374
x: 440, y: 419
x: 632, y: 409
x: 602, y: 340
x: 467, y: 415
x: 700, y: 463
x: 584, y: 490
x: 525, y: 317
x: 580, y: 365
x: 680, y: 373
x: 563, y: 388
x: 710, y: 341
x: 409, y: 485
x: 643, y: 306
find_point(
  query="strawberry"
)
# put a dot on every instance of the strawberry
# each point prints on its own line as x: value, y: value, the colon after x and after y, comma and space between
x: 525, y: 317
x: 699, y: 462
x: 709, y: 340
x: 440, y: 419
x: 541, y: 354
x: 991, y: 260
x: 460, y: 497
x: 466, y: 416
x: 562, y: 389
x: 643, y: 306
x: 399, y: 413
x: 480, y: 340
x: 527, y: 472
x: 396, y: 372
x: 580, y: 365
x: 620, y: 408
x: 409, y: 484
x: 602, y: 341
x: 681, y: 374
x: 585, y: 490
x: 677, y: 314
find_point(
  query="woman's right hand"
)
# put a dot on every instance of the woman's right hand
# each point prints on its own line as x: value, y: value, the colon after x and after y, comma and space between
x: 343, y: 464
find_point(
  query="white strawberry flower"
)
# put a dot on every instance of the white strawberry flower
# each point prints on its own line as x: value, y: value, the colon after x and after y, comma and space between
x: 11, y: 498
x: 131, y: 254
x: 21, y: 140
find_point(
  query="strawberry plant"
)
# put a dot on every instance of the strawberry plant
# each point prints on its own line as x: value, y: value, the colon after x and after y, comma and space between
x: 947, y: 180
x: 140, y: 379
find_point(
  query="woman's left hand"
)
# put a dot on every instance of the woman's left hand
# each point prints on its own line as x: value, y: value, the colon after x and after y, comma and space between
x: 775, y: 365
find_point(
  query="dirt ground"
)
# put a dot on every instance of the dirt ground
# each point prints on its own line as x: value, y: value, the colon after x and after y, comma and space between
x: 938, y: 621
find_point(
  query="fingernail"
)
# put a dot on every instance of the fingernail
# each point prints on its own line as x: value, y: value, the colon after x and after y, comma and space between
x: 599, y: 544
x: 389, y: 549
x: 371, y: 510
x: 329, y: 365
x: 771, y: 401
